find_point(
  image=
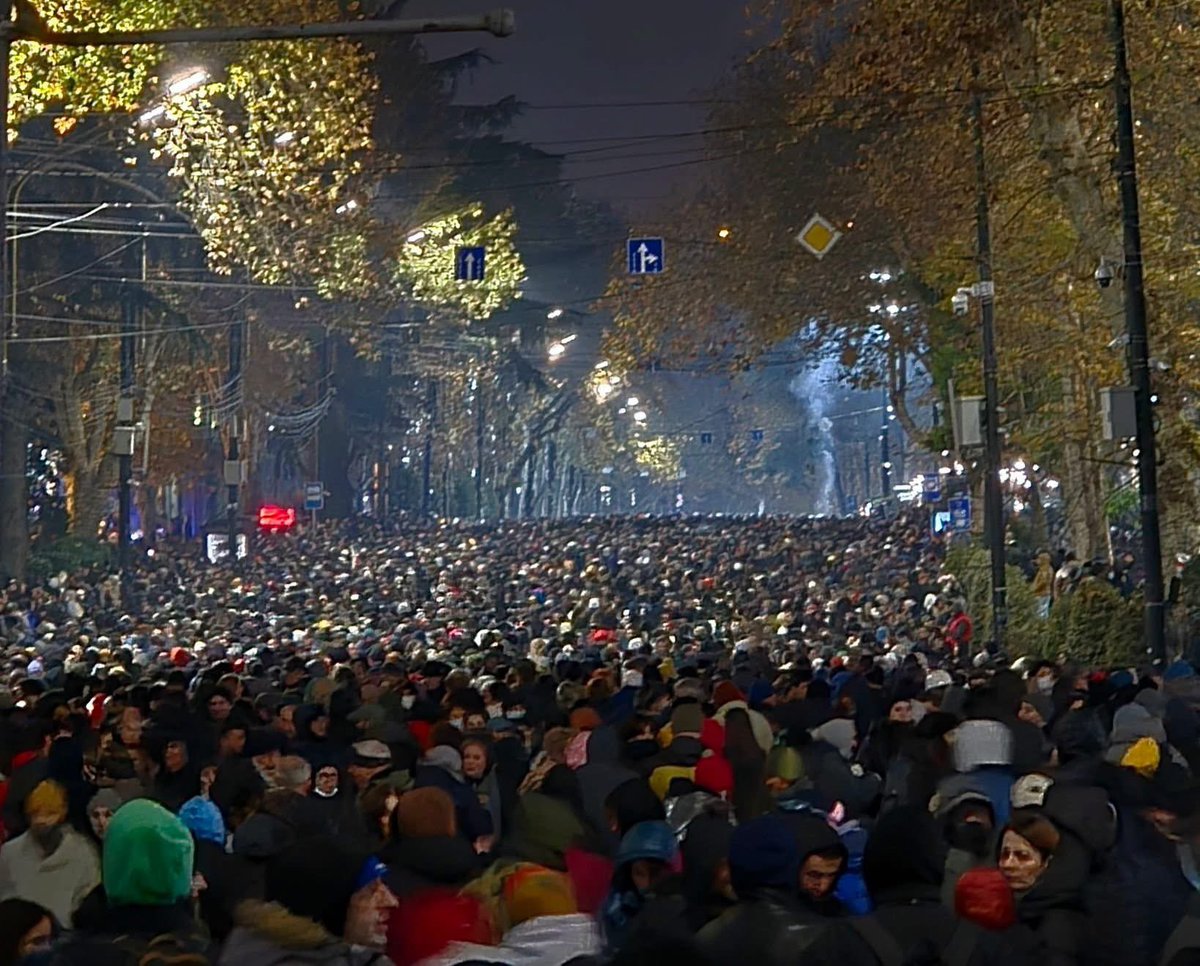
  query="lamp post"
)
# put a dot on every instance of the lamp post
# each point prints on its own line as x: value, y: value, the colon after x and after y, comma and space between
x: 1139, y: 343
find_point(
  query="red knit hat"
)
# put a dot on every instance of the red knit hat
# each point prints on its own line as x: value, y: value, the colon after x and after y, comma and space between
x: 427, y: 922
x: 984, y: 897
x: 725, y: 692
x: 714, y: 774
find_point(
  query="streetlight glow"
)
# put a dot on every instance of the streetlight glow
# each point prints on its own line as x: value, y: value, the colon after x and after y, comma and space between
x: 631, y: 401
x: 554, y: 314
x: 416, y: 237
x: 284, y: 139
x: 186, y: 83
x: 639, y: 416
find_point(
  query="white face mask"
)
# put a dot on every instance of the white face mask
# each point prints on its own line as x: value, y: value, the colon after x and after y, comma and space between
x: 1045, y: 684
x: 495, y: 710
x: 457, y: 723
x: 407, y: 701
x: 515, y: 715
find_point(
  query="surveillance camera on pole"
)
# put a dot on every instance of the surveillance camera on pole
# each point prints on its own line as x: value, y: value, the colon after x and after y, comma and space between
x: 960, y: 301
x: 1104, y: 274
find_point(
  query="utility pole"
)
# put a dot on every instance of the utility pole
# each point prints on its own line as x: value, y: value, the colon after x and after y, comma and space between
x: 234, y: 466
x: 885, y: 456
x: 431, y: 392
x: 993, y: 502
x: 480, y: 424
x: 123, y: 441
x: 1139, y: 342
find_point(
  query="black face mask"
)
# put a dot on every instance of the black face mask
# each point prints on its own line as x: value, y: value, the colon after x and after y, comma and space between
x: 972, y: 837
x: 48, y: 839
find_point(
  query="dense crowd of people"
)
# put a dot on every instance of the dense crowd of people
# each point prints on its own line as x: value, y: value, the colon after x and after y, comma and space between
x: 616, y: 740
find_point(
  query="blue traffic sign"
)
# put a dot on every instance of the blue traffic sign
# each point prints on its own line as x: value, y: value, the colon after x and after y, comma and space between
x: 960, y: 514
x: 647, y: 256
x: 757, y: 435
x: 706, y: 439
x: 932, y: 487
x: 314, y: 496
x: 469, y: 264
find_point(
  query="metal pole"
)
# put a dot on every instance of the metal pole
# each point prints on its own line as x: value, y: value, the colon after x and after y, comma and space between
x: 233, y: 467
x: 993, y: 505
x: 500, y: 23
x: 129, y: 327
x: 480, y: 422
x: 1139, y: 342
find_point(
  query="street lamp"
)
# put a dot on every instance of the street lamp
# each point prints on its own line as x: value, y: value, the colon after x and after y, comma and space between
x: 417, y: 237
x: 554, y: 314
x: 639, y: 416
x: 186, y: 83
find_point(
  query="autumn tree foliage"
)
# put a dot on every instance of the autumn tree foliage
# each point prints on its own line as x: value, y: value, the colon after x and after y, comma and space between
x: 862, y: 112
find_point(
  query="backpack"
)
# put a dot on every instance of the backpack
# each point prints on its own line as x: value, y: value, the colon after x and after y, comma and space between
x: 957, y: 952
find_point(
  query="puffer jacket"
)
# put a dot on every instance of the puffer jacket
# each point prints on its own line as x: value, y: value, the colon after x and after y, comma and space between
x: 543, y: 941
x: 266, y: 934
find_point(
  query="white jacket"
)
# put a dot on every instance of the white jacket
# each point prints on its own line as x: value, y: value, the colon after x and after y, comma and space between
x: 59, y: 881
x: 544, y: 941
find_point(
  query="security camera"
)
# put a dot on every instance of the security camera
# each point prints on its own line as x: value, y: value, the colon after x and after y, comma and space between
x: 1104, y: 274
x: 960, y: 301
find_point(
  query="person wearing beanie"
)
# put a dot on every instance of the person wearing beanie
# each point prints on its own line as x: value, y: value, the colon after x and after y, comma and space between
x: 51, y: 863
x: 684, y: 749
x: 147, y: 915
x: 768, y: 924
x: 100, y: 811
x: 425, y: 850
x: 324, y: 904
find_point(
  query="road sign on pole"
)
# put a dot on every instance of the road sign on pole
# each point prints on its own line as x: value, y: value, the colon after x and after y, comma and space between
x: 647, y: 256
x: 960, y: 514
x: 819, y: 236
x: 932, y: 487
x: 314, y: 496
x: 469, y: 264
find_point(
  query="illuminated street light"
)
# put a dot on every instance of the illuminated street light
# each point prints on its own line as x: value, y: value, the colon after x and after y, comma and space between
x: 554, y: 314
x: 631, y: 401
x: 284, y: 139
x: 416, y: 237
x: 153, y: 115
x: 723, y: 233
x: 639, y: 416
x: 556, y: 351
x: 186, y: 83
x: 348, y: 207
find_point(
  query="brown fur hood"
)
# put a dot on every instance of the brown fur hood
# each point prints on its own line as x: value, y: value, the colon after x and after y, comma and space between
x: 268, y: 935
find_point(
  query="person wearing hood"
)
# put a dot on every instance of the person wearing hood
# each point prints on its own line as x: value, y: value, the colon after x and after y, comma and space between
x: 221, y: 891
x: 1131, y: 724
x: 425, y: 850
x: 769, y: 923
x: 50, y: 864
x: 178, y: 776
x: 1048, y: 893
x: 827, y: 760
x: 442, y: 768
x: 480, y: 774
x: 325, y: 904
x: 647, y: 860
x: 543, y: 925
x: 148, y: 864
x: 823, y: 860
x: 312, y: 737
x: 707, y: 886
x: 903, y: 865
x: 600, y: 773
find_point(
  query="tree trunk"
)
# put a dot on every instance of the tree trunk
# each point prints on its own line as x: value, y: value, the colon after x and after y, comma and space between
x: 14, y: 518
x: 88, y: 501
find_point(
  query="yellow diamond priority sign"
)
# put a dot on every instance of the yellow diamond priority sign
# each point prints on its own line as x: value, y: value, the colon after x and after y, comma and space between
x: 819, y: 236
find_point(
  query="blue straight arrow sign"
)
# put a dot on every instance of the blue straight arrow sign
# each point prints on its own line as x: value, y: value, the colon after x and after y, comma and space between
x: 469, y: 264
x: 647, y: 256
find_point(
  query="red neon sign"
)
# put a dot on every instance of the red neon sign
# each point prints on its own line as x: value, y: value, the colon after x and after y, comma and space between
x: 276, y: 518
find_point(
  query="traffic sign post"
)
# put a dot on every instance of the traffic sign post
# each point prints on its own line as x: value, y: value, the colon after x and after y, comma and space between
x: 469, y: 263
x: 819, y: 236
x: 960, y: 514
x: 932, y: 487
x: 647, y: 256
x: 314, y: 500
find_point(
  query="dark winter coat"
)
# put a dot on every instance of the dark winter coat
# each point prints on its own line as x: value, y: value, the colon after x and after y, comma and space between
x: 768, y: 927
x: 415, y: 864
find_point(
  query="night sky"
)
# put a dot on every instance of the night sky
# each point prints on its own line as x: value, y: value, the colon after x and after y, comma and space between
x: 573, y: 52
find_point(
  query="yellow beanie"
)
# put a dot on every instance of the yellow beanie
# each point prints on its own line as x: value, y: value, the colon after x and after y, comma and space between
x: 533, y: 892
x: 47, y: 799
x: 1143, y: 757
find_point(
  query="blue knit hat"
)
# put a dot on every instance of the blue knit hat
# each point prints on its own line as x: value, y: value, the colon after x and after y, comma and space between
x: 203, y: 819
